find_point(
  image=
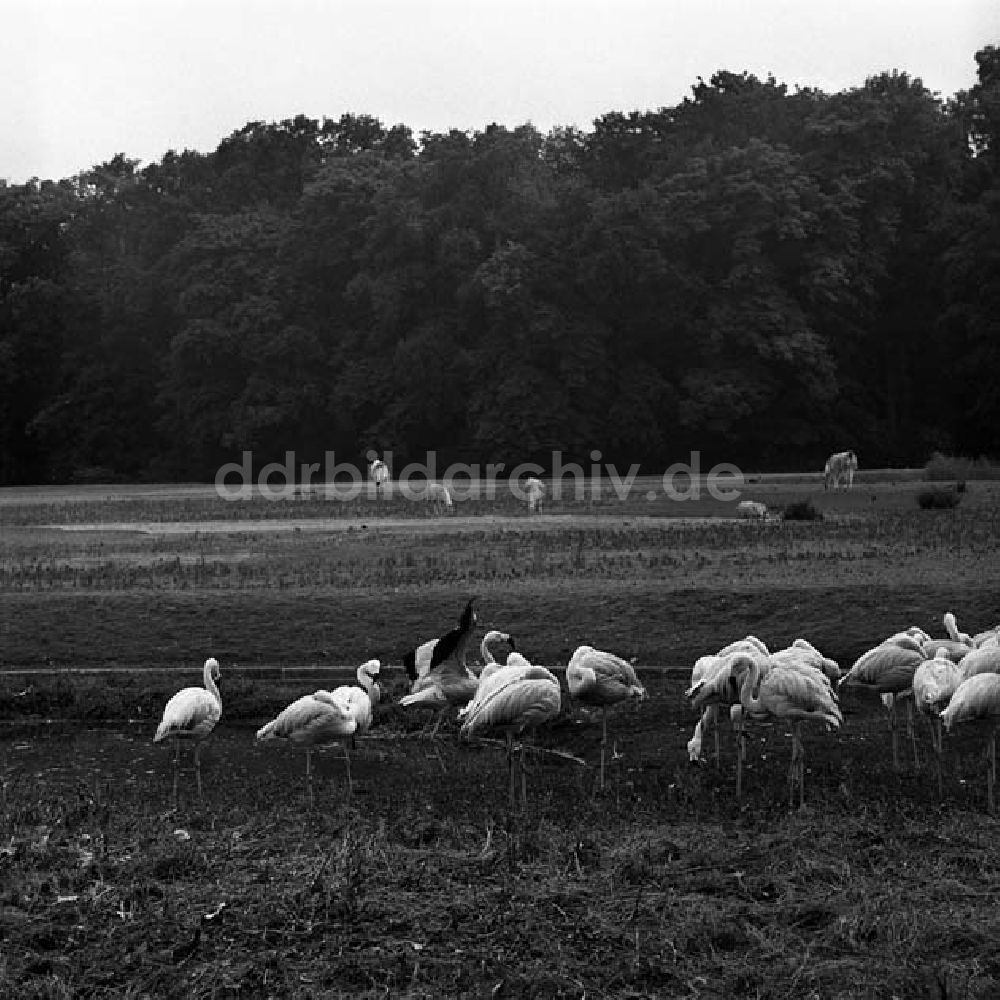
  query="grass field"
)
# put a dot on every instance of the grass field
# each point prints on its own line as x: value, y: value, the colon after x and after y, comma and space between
x: 425, y: 886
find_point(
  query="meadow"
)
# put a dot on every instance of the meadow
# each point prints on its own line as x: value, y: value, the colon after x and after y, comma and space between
x: 424, y: 885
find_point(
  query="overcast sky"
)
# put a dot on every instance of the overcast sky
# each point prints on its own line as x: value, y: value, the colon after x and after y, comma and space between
x: 82, y: 80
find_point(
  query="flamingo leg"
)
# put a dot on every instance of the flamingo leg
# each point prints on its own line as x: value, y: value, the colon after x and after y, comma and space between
x: 197, y: 768
x: 892, y: 730
x: 741, y: 751
x: 911, y: 729
x: 510, y: 769
x: 718, y: 749
x: 991, y: 768
x: 801, y: 757
x: 309, y: 777
x: 177, y: 767
x: 604, y: 741
x: 938, y: 751
x: 524, y: 781
x: 347, y: 765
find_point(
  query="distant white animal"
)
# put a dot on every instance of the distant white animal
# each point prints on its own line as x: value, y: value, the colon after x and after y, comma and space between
x: 839, y: 470
x: 752, y: 509
x: 439, y: 498
x: 535, y: 491
x: 191, y: 714
x: 378, y: 472
x: 603, y: 680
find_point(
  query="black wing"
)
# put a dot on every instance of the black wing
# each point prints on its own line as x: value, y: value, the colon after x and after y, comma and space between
x: 448, y: 644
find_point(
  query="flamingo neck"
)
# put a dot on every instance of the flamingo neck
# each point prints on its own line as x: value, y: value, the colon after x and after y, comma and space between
x: 210, y: 684
x: 747, y: 699
x: 484, y: 648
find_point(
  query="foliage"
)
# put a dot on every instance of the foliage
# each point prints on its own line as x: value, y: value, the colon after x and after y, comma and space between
x: 939, y: 499
x: 942, y: 468
x: 756, y: 274
x: 802, y: 510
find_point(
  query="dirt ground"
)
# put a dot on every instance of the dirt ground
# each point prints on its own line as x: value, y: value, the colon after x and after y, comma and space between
x: 424, y: 883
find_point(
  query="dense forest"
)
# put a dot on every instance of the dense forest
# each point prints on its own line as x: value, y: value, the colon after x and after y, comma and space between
x: 761, y: 274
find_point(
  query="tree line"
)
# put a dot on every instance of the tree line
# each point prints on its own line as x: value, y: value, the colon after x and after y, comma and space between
x: 761, y: 274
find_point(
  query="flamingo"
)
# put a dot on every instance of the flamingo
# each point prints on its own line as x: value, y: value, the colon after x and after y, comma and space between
x: 983, y: 659
x: 799, y: 694
x: 951, y: 627
x: 602, y: 680
x: 314, y: 720
x: 493, y: 635
x: 712, y: 685
x: 512, y: 700
x: 978, y: 697
x: 192, y: 714
x: 888, y: 669
x: 934, y: 683
x: 361, y: 700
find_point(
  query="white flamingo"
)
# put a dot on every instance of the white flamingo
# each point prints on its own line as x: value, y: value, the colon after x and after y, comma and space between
x: 602, y: 680
x: 983, y: 659
x: 713, y: 685
x: 512, y: 701
x: 978, y: 698
x: 934, y: 683
x: 951, y: 627
x: 787, y: 692
x: 192, y: 714
x: 314, y: 720
x: 888, y: 669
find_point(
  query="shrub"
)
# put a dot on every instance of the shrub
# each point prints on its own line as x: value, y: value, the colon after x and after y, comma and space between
x: 938, y: 499
x: 945, y: 468
x: 802, y: 510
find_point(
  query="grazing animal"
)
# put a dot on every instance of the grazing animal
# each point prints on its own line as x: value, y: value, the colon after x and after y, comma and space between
x: 439, y: 498
x: 752, y: 509
x: 378, y: 471
x: 192, y: 714
x: 512, y: 700
x: 314, y: 720
x: 786, y: 692
x: 535, y: 490
x: 839, y: 470
x: 978, y: 697
x: 602, y: 680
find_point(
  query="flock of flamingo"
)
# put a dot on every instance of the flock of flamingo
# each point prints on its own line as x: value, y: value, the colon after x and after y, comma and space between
x: 951, y: 680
